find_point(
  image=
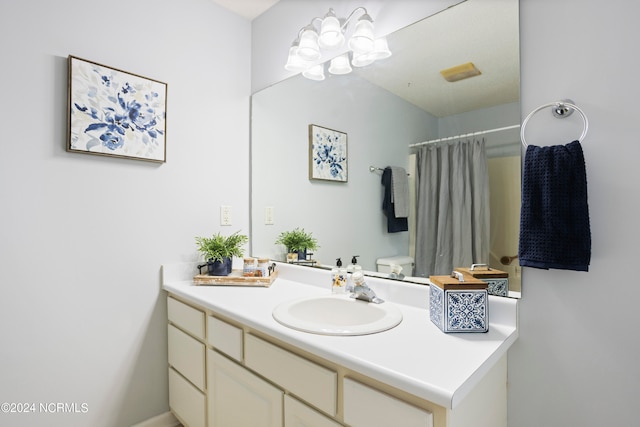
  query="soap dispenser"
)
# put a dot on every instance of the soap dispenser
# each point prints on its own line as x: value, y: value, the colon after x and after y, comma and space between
x: 354, y: 264
x: 338, y: 278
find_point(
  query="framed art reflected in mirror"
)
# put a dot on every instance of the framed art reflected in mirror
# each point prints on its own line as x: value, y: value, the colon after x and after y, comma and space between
x: 328, y: 159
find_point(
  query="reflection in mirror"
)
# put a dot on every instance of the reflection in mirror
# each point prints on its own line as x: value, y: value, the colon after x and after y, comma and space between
x: 384, y: 109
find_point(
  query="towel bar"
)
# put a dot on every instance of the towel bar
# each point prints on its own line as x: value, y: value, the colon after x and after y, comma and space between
x: 375, y: 169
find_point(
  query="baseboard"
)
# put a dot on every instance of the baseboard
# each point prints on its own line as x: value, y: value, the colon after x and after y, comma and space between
x: 163, y: 420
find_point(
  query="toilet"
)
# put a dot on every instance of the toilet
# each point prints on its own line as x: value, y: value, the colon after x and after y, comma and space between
x: 406, y: 262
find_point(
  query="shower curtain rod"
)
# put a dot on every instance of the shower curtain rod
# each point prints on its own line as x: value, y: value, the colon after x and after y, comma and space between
x: 482, y: 132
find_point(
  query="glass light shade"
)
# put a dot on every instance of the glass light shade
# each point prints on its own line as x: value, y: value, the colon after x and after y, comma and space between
x: 316, y: 72
x: 294, y: 62
x: 331, y: 36
x: 362, y: 59
x: 340, y: 64
x: 362, y: 40
x: 380, y: 49
x: 308, y: 48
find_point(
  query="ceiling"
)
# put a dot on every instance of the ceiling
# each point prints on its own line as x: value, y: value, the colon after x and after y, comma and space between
x: 246, y: 8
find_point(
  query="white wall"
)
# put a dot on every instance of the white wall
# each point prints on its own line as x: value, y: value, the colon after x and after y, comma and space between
x: 576, y: 361
x: 82, y: 238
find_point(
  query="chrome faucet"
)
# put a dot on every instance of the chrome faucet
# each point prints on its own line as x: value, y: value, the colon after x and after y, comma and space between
x: 362, y: 291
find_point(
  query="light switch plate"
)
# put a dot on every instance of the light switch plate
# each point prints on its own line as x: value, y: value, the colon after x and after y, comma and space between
x: 225, y: 215
x: 268, y: 215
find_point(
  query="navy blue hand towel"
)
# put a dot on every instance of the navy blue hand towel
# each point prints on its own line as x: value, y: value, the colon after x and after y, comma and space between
x: 394, y: 225
x: 554, y: 217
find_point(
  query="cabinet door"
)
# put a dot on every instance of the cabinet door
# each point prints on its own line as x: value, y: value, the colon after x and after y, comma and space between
x: 297, y: 414
x: 238, y: 398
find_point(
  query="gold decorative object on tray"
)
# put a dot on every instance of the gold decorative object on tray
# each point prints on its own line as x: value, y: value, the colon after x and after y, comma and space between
x: 236, y: 278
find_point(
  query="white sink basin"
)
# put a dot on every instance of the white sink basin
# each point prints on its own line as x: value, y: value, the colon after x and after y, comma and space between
x: 337, y: 315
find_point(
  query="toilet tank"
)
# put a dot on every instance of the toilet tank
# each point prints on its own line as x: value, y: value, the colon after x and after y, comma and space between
x: 406, y: 262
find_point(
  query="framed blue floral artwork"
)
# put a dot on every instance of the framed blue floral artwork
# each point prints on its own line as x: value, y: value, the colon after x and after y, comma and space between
x: 327, y: 154
x: 115, y: 113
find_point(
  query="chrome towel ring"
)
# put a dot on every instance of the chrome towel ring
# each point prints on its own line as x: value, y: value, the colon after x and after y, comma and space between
x: 561, y: 109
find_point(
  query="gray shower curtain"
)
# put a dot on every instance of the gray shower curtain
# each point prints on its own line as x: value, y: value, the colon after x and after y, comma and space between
x: 452, y: 198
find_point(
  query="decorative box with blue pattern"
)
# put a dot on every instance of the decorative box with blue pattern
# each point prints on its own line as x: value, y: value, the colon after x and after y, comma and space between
x: 459, y: 303
x: 497, y: 280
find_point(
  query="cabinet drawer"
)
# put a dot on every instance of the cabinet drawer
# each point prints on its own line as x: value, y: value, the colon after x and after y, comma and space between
x: 225, y: 337
x: 186, y: 401
x: 186, y: 355
x: 367, y: 407
x: 186, y: 317
x: 307, y: 380
x: 297, y: 414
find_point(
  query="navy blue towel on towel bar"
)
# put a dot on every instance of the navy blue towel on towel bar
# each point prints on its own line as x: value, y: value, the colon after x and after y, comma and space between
x: 394, y: 224
x: 554, y: 217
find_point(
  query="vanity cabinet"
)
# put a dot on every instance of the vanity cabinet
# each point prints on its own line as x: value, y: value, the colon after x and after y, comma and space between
x: 226, y: 374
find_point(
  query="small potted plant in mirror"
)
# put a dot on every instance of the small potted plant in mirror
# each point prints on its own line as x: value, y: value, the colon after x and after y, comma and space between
x: 219, y: 251
x: 297, y: 242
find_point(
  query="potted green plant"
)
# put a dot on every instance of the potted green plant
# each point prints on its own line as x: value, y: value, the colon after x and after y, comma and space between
x: 297, y: 241
x: 219, y: 251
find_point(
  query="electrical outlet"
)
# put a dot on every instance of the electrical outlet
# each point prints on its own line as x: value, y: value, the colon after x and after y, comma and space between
x: 268, y: 215
x: 225, y: 215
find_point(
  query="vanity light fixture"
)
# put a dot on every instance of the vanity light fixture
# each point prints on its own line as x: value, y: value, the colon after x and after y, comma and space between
x: 315, y: 72
x: 308, y: 49
x: 331, y: 34
x: 460, y: 72
x: 340, y: 64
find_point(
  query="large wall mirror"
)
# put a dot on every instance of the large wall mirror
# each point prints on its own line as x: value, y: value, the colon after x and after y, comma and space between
x: 384, y: 109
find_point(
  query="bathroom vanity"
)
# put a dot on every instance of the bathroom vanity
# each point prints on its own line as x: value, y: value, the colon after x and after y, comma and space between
x: 232, y: 364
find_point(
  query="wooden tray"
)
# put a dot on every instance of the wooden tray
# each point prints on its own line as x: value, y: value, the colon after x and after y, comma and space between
x: 235, y: 279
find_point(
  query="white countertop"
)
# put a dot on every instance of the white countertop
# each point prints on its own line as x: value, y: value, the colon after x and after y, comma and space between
x: 415, y: 356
